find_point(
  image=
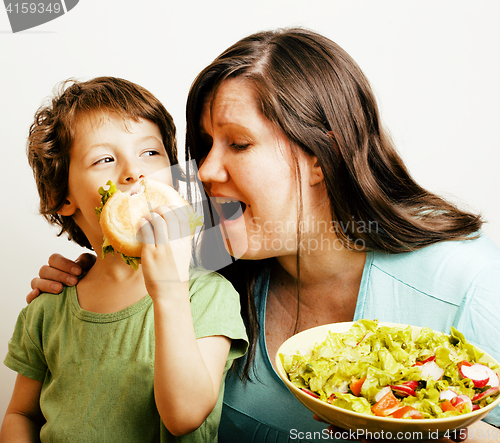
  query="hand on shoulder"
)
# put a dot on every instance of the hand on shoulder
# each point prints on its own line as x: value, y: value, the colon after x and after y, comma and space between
x: 59, y: 271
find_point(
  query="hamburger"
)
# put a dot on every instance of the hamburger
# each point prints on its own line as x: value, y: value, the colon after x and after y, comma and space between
x: 120, y: 214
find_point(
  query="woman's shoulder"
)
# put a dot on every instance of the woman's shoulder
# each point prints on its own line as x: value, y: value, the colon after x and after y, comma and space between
x: 455, y: 264
x: 473, y: 254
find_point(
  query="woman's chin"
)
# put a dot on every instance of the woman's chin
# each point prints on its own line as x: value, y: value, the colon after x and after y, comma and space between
x: 235, y: 241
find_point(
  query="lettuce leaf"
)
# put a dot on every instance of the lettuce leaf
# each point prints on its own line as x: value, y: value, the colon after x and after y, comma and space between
x: 105, y: 195
x: 195, y: 220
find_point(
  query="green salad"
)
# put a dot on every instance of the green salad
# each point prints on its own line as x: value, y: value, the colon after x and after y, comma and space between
x: 384, y: 371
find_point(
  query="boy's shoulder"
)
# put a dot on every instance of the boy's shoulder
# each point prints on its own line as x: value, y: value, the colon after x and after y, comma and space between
x: 49, y: 304
x: 200, y: 278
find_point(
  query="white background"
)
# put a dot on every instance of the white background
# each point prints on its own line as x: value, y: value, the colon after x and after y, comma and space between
x: 432, y: 63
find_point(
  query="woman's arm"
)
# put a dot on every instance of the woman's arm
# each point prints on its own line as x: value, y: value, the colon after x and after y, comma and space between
x: 23, y: 419
x: 60, y: 271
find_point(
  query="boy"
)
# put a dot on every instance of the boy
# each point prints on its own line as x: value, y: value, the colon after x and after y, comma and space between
x: 106, y: 362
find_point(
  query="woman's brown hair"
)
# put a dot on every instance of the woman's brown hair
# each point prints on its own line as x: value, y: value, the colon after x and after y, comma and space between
x: 52, y: 133
x: 317, y: 95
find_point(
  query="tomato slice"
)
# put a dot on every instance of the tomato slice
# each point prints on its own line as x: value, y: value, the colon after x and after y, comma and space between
x: 447, y: 406
x: 464, y: 363
x: 387, y: 405
x: 407, y: 412
x: 356, y: 386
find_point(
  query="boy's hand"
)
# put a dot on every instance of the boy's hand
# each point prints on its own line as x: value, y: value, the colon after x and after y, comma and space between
x: 166, y: 254
x: 60, y: 271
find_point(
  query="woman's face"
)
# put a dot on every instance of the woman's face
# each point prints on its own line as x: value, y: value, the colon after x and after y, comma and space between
x: 249, y: 173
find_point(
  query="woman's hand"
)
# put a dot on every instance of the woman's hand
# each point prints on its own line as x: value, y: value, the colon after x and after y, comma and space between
x: 60, y: 271
x: 166, y: 254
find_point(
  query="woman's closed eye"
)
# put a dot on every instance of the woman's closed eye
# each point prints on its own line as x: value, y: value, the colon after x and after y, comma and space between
x: 239, y: 147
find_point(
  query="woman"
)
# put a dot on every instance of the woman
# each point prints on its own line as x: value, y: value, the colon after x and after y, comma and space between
x: 331, y: 226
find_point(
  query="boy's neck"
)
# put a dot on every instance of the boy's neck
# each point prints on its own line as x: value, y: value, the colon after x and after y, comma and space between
x: 110, y: 286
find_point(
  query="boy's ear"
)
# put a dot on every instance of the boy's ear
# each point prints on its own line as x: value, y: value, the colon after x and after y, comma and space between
x: 316, y: 173
x: 67, y: 209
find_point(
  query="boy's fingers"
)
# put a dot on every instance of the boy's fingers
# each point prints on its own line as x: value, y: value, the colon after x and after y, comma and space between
x: 171, y: 222
x: 145, y: 234
x: 182, y: 214
x: 159, y: 228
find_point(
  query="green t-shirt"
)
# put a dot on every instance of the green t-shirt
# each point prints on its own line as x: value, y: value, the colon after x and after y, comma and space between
x: 97, y: 369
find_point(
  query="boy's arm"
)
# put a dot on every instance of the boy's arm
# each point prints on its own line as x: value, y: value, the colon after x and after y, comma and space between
x: 23, y: 419
x: 188, y: 372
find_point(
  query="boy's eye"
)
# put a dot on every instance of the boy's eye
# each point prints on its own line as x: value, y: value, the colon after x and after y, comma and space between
x: 104, y: 160
x: 150, y: 153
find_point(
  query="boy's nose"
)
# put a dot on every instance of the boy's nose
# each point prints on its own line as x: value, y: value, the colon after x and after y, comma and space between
x: 132, y: 173
x: 132, y: 179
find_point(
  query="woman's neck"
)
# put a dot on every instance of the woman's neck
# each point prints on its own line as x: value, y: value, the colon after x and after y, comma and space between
x: 328, y: 290
x: 321, y: 266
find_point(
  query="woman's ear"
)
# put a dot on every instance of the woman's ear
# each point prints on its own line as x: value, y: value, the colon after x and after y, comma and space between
x: 316, y: 173
x: 67, y: 209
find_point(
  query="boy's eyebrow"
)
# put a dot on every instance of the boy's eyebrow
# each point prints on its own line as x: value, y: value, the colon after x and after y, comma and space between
x: 140, y: 140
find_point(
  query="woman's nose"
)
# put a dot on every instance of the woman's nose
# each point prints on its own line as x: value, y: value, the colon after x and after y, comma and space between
x: 212, y: 168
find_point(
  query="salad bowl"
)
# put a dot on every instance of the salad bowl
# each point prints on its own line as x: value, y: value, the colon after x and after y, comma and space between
x: 362, y: 424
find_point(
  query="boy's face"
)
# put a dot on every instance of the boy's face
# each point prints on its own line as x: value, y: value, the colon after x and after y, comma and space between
x: 107, y: 147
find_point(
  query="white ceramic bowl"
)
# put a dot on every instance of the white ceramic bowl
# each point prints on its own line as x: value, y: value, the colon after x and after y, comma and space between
x: 381, y: 427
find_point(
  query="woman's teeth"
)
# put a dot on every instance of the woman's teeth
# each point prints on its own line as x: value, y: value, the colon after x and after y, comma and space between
x: 225, y: 200
x: 230, y: 207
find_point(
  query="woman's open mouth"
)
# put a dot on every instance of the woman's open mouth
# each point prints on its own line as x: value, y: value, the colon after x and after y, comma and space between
x: 230, y: 208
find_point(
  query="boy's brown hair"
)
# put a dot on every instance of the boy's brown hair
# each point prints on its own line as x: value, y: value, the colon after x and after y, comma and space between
x: 52, y: 134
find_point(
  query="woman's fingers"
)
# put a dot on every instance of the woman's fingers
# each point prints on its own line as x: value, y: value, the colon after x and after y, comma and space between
x: 32, y: 295
x: 60, y: 271
x: 85, y: 261
x: 49, y: 274
x: 61, y: 264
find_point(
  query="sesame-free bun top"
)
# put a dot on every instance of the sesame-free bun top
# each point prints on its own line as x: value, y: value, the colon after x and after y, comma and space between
x: 122, y: 213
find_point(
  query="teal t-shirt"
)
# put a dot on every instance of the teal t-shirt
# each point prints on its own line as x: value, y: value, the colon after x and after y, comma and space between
x: 454, y: 283
x: 97, y: 369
